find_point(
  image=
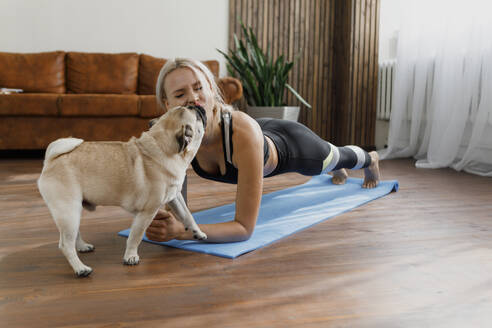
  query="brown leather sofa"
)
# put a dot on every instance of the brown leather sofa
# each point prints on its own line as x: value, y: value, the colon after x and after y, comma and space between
x: 92, y: 96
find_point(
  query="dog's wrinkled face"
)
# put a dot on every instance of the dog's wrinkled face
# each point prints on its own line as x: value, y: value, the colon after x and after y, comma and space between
x: 183, y: 125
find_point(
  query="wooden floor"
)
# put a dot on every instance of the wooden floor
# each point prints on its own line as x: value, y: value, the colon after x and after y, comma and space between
x: 421, y: 257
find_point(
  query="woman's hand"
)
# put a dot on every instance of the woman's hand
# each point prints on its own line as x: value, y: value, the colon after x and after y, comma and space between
x: 164, y: 227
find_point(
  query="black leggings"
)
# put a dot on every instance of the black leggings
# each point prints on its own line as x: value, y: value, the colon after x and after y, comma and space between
x: 301, y: 150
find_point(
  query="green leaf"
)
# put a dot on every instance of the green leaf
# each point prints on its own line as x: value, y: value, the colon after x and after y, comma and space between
x: 264, y: 78
x: 291, y: 89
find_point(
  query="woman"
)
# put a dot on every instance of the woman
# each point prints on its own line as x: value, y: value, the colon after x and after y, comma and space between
x: 239, y: 149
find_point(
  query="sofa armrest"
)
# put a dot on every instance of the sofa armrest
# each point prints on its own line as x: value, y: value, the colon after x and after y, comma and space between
x: 231, y: 89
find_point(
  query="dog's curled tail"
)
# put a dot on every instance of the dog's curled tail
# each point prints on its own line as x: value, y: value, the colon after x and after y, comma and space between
x: 61, y: 146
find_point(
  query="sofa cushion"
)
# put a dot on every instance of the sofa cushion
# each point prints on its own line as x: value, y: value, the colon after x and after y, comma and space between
x: 149, y: 68
x: 148, y: 71
x: 35, y: 132
x: 38, y: 104
x: 102, y: 73
x: 36, y: 72
x: 98, y: 105
x: 149, y: 107
x: 213, y: 65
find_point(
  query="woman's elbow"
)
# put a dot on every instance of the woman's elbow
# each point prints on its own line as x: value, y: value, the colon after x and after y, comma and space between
x: 245, y: 236
x: 246, y: 233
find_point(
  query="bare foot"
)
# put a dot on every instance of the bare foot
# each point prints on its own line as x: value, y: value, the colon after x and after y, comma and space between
x: 371, y: 173
x: 339, y: 177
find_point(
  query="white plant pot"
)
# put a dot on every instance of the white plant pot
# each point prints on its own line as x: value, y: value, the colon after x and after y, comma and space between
x: 290, y: 113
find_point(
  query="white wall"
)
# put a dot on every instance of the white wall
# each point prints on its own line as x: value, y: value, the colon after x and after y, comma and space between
x: 161, y: 28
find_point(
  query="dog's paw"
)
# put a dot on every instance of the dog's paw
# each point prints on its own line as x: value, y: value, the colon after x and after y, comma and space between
x: 198, y: 235
x: 83, y: 272
x: 86, y: 248
x: 131, y: 260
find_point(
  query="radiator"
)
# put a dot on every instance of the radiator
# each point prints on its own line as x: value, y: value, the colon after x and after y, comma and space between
x: 386, y: 77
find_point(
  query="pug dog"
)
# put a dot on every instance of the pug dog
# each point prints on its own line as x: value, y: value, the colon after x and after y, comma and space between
x: 140, y: 176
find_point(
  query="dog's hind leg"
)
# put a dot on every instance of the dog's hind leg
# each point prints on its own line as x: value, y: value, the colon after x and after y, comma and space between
x: 65, y: 205
x: 82, y: 246
x: 68, y: 221
x: 140, y: 223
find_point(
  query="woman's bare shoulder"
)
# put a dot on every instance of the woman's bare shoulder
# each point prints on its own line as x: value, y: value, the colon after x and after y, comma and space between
x: 245, y: 128
x: 241, y: 120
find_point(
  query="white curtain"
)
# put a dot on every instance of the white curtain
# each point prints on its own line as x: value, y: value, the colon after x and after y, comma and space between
x: 442, y: 100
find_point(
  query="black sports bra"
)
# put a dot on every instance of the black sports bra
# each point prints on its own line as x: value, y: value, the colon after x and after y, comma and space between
x: 231, y: 173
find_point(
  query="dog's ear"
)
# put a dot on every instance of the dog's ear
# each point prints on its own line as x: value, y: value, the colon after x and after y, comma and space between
x: 184, y: 137
x: 153, y: 121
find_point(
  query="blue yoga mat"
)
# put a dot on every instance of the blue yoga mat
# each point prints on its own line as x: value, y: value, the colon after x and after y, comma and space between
x: 285, y: 212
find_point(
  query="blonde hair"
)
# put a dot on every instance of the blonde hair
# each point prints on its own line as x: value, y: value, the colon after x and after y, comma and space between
x: 202, y: 73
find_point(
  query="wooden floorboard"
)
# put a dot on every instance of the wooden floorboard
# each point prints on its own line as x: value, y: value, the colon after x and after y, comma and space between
x: 420, y: 257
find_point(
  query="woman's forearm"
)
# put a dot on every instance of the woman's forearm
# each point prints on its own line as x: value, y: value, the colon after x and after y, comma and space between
x: 226, y: 232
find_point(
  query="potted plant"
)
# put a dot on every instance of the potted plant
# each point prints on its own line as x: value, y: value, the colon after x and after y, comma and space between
x: 264, y: 79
